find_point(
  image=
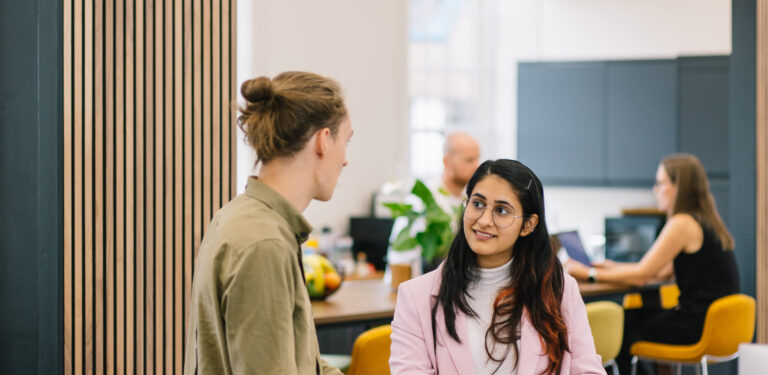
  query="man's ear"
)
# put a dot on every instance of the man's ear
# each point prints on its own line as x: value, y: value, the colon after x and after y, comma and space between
x: 322, y: 139
x: 530, y: 225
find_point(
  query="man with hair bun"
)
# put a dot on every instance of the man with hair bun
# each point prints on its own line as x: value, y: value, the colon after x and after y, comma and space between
x: 250, y: 312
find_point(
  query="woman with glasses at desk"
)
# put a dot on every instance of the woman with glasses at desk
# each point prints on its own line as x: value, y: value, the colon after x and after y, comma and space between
x: 500, y: 303
x: 694, y: 244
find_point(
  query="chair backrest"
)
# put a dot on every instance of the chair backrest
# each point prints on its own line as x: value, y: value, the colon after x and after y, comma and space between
x: 730, y: 321
x: 606, y: 319
x: 370, y: 354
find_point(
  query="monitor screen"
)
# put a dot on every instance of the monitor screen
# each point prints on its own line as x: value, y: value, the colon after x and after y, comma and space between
x: 371, y: 236
x: 628, y: 238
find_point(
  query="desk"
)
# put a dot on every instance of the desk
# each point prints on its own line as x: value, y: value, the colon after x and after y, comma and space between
x: 357, y: 301
x: 367, y: 301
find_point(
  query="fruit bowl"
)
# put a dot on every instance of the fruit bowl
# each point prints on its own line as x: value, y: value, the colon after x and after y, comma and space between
x: 321, y: 277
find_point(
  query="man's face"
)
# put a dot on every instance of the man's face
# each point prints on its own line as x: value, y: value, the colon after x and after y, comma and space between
x: 462, y: 161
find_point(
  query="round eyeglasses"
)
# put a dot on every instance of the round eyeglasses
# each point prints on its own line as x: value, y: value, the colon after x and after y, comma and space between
x: 502, y: 215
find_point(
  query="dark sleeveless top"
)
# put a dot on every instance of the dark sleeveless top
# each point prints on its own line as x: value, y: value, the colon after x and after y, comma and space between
x: 705, y: 275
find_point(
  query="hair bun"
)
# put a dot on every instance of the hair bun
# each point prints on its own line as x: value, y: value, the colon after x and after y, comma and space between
x: 258, y: 90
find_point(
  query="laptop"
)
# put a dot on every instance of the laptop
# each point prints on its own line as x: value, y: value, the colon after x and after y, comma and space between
x: 573, y: 246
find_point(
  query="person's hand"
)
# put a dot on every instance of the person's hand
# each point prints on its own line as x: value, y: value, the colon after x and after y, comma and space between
x: 577, y: 269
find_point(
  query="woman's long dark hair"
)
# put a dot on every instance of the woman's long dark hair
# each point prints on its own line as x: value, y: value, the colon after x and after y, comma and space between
x: 537, y: 276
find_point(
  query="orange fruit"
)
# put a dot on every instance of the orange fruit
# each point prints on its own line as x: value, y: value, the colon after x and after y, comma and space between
x: 332, y: 281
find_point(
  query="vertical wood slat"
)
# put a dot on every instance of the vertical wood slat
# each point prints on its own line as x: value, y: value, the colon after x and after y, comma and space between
x: 178, y: 184
x: 130, y: 245
x: 140, y: 238
x: 207, y: 149
x: 159, y: 196
x: 168, y: 199
x: 149, y: 95
x: 78, y: 196
x: 99, y: 188
x: 216, y: 132
x: 197, y: 124
x: 762, y: 171
x: 67, y: 136
x: 224, y: 108
x: 109, y: 253
x: 120, y: 128
x: 148, y: 144
x: 88, y: 113
x: 188, y: 239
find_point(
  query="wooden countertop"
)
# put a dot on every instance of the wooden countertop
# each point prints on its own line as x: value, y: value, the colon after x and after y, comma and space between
x: 357, y: 300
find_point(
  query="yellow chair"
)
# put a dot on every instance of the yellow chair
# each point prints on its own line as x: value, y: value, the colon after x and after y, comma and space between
x: 668, y: 293
x: 606, y: 319
x: 370, y: 354
x: 730, y: 321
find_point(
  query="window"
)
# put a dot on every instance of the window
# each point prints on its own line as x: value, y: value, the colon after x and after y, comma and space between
x: 453, y: 78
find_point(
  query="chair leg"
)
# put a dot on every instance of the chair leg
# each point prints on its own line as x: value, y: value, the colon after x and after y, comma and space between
x: 703, y: 364
x: 615, y: 368
x: 698, y: 369
x: 679, y: 369
x: 634, y: 365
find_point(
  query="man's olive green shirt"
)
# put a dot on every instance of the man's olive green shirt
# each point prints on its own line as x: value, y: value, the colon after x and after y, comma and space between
x: 250, y: 311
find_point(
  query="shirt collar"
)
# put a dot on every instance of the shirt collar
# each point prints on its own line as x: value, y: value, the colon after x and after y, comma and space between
x: 259, y: 190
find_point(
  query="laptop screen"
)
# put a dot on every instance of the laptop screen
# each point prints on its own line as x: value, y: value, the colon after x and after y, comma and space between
x: 572, y: 244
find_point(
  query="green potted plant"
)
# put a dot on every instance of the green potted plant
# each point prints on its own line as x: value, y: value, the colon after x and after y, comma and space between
x: 437, y: 233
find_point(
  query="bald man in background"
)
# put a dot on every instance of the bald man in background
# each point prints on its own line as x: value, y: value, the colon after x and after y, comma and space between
x: 461, y: 156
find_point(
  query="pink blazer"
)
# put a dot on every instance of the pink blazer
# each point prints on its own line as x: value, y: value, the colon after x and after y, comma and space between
x: 412, y: 348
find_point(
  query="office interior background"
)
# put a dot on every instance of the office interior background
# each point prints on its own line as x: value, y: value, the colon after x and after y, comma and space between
x: 98, y: 112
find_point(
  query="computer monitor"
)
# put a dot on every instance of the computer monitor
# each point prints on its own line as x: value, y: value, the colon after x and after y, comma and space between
x: 628, y: 238
x: 371, y: 236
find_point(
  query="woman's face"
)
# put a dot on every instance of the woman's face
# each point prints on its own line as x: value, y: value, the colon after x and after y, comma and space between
x: 499, y: 204
x: 664, y: 190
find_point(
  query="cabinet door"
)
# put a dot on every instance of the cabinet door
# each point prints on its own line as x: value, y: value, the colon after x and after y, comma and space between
x: 720, y: 189
x: 560, y: 121
x: 642, y: 119
x: 704, y: 99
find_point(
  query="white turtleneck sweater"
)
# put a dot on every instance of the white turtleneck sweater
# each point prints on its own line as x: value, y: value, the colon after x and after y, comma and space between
x: 483, y: 293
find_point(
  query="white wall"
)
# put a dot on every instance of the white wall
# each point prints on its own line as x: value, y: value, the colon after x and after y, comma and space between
x: 361, y: 44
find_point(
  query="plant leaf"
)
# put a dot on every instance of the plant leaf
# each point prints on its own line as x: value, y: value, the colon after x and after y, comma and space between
x: 404, y: 241
x: 422, y: 191
x: 399, y: 209
x: 429, y: 244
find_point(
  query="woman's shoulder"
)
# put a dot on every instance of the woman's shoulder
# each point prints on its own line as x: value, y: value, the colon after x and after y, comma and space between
x: 570, y: 285
x: 683, y: 218
x: 686, y: 224
x: 425, y: 283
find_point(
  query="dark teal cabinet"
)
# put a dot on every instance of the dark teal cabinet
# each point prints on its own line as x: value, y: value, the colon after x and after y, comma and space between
x: 704, y: 111
x: 641, y: 117
x: 562, y: 109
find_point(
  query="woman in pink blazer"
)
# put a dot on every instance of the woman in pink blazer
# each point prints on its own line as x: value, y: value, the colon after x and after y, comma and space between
x: 500, y: 303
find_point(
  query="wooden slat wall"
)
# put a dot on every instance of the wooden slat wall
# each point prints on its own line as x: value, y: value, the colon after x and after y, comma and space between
x: 762, y: 171
x: 149, y: 145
